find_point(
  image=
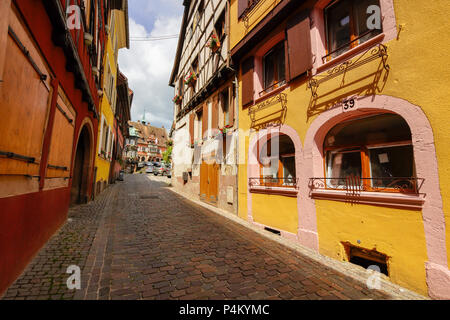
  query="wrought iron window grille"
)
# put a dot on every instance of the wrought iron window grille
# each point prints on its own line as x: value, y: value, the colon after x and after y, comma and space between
x: 272, y: 87
x: 247, y: 12
x: 270, y: 181
x: 378, y: 51
x: 345, y: 45
x: 354, y: 185
x: 280, y: 98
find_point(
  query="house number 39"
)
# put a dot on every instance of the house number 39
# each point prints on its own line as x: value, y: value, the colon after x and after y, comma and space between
x: 348, y: 105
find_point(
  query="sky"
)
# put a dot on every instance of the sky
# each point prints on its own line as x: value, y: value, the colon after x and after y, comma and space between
x: 148, y: 64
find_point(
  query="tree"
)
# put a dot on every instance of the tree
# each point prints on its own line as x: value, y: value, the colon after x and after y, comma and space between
x: 167, y: 155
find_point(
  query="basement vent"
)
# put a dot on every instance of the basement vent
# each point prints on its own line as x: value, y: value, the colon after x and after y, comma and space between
x: 278, y: 233
x: 366, y: 258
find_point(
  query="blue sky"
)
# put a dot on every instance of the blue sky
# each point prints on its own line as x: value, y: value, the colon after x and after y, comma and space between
x: 148, y: 65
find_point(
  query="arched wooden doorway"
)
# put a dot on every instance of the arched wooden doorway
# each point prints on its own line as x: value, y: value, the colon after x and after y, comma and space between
x: 81, y: 169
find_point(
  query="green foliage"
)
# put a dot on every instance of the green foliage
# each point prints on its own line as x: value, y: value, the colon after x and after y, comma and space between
x: 167, y: 155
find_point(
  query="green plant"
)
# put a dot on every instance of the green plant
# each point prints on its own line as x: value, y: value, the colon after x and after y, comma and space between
x: 214, y: 43
x: 190, y: 79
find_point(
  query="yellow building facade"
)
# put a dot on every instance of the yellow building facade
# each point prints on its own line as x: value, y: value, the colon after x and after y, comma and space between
x: 117, y: 38
x: 344, y: 139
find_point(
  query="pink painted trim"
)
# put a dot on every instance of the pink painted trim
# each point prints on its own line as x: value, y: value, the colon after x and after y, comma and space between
x: 425, y: 160
x: 307, y: 225
x: 258, y: 70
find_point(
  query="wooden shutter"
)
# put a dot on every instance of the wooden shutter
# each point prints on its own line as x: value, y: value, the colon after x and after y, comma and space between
x: 191, y: 126
x: 231, y: 106
x: 247, y: 81
x: 204, y: 119
x: 299, y: 45
x: 215, y: 113
x: 242, y: 5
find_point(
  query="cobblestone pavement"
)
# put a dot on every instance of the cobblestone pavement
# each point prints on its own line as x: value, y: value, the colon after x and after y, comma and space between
x: 139, y: 240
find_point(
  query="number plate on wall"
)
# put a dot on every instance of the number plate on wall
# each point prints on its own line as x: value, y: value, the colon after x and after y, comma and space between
x: 349, y: 105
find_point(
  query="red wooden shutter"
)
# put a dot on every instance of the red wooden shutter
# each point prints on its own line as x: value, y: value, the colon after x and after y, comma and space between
x: 242, y: 5
x: 205, y: 119
x: 299, y: 45
x: 247, y: 81
x: 191, y: 126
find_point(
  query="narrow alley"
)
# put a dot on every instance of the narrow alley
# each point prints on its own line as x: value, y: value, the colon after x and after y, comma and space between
x: 140, y: 240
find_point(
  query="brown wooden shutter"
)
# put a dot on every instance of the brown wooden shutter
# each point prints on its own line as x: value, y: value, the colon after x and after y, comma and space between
x: 299, y: 45
x: 204, y: 119
x: 191, y: 126
x: 215, y: 112
x: 242, y: 5
x: 247, y: 81
x: 231, y: 106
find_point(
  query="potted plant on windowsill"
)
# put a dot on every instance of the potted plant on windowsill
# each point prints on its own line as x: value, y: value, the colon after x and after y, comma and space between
x: 177, y: 99
x: 191, y: 79
x: 225, y: 129
x: 214, y: 43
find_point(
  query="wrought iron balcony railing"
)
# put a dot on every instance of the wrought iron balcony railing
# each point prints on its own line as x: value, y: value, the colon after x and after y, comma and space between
x: 270, y: 181
x: 272, y: 87
x: 355, y: 184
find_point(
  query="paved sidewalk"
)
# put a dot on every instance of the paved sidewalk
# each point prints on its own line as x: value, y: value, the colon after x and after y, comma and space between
x: 140, y: 240
x: 45, y: 277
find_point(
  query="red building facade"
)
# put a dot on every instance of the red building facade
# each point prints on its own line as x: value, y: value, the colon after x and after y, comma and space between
x: 50, y: 71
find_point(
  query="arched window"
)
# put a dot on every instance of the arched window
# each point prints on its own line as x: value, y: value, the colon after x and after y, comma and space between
x: 374, y: 153
x: 277, y: 161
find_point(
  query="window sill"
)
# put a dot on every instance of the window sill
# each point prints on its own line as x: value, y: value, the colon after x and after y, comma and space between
x: 397, y: 200
x: 283, y: 191
x: 350, y: 53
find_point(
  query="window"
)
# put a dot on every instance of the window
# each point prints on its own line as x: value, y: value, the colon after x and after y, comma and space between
x: 277, y: 167
x: 180, y: 86
x: 105, y: 137
x: 199, y: 133
x: 373, y: 154
x: 346, y: 25
x: 219, y: 27
x: 246, y: 5
x: 274, y: 74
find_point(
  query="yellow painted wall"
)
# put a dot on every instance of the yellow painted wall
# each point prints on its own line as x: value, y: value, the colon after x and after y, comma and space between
x: 419, y: 74
x: 102, y: 164
x: 279, y: 212
x: 237, y: 27
x: 395, y: 232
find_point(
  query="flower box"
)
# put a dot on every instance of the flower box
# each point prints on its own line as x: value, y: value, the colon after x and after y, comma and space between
x: 190, y: 79
x: 177, y: 99
x: 214, y: 43
x: 225, y: 129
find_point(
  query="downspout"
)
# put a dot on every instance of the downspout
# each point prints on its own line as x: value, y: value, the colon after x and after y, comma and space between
x: 236, y: 106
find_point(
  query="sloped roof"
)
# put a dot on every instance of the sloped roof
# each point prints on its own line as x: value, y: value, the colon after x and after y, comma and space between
x: 147, y: 131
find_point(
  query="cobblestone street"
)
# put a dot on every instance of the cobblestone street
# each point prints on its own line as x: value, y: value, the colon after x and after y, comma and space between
x: 139, y: 240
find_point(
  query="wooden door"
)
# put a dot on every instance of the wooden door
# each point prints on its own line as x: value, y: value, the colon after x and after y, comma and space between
x: 213, y: 185
x: 209, y: 186
x: 203, y: 181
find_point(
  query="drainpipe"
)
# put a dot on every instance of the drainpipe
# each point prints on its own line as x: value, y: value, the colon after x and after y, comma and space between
x: 236, y: 106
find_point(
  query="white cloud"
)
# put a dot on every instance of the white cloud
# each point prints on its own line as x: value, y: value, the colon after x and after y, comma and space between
x: 147, y: 65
